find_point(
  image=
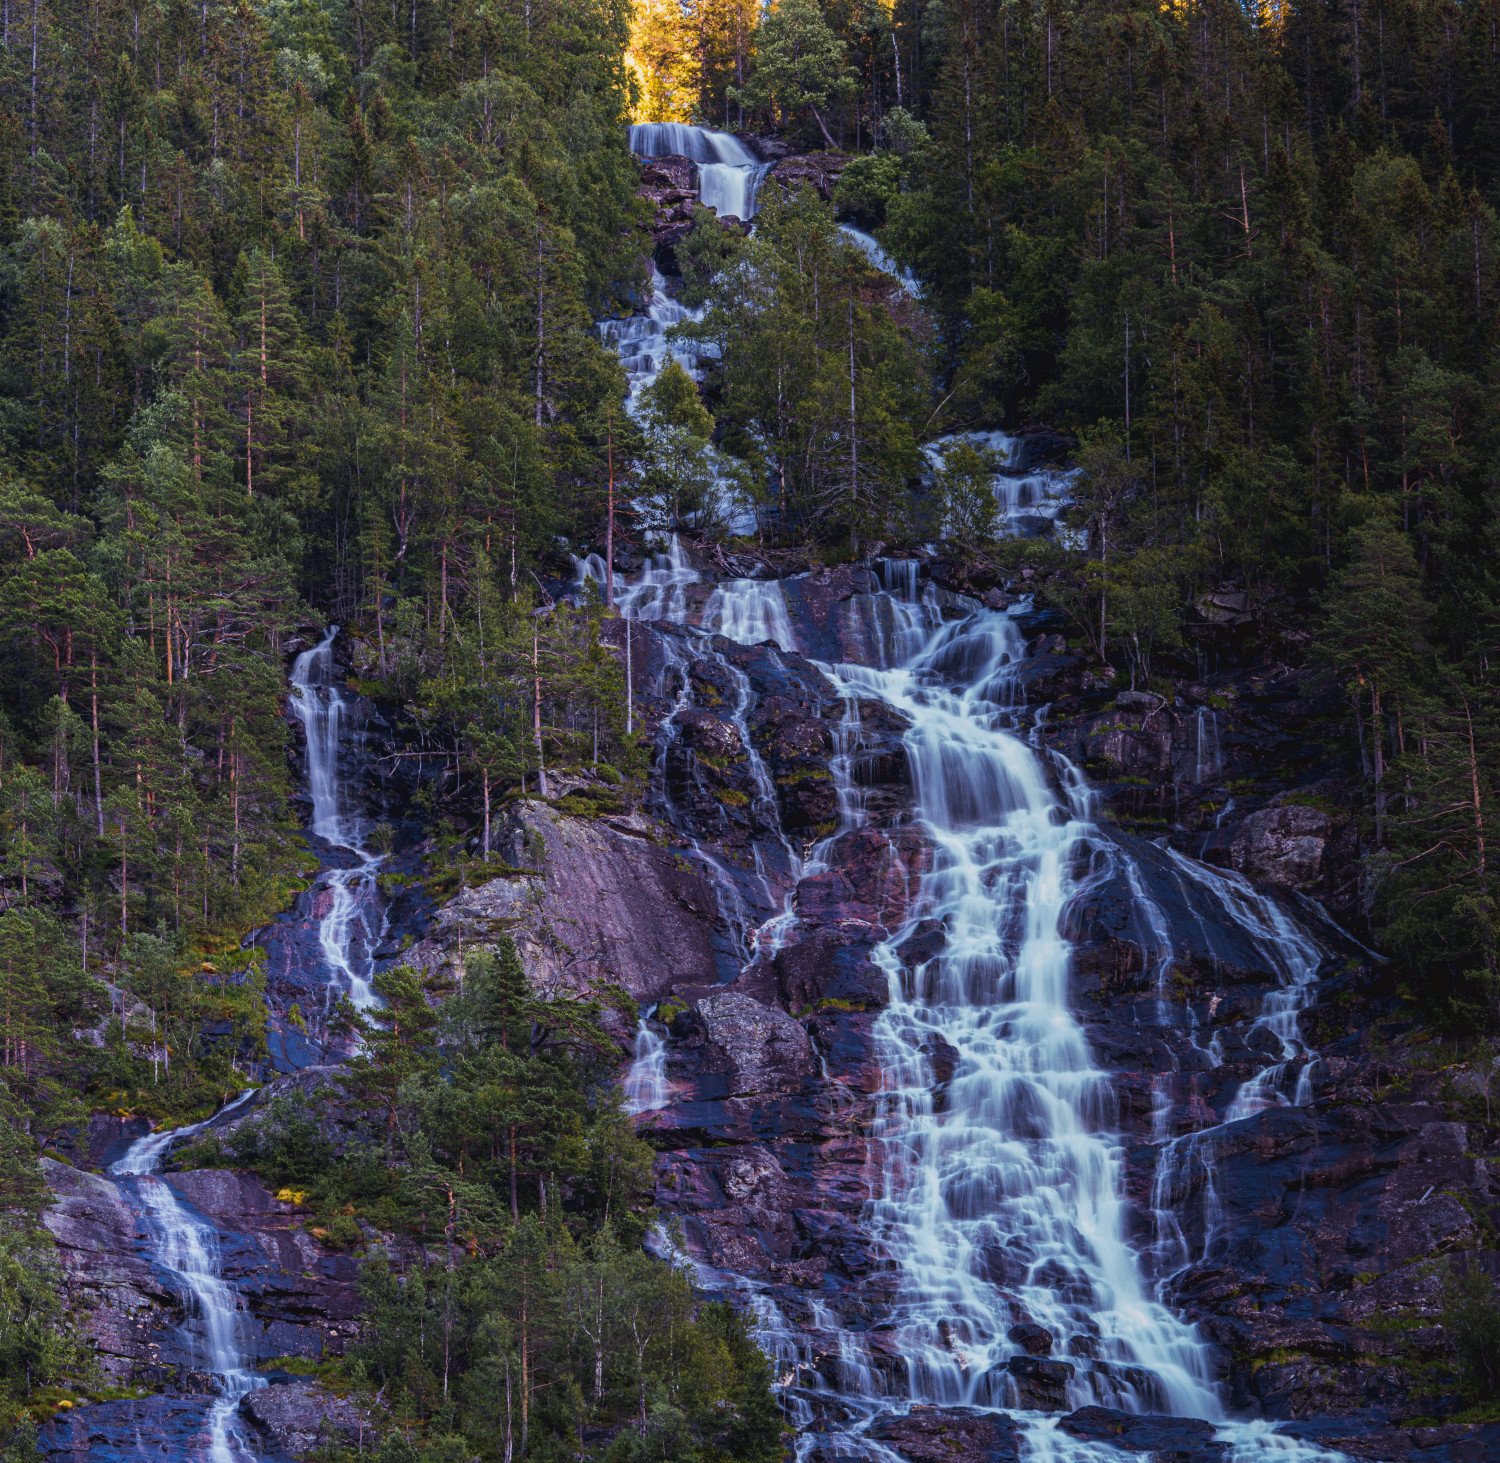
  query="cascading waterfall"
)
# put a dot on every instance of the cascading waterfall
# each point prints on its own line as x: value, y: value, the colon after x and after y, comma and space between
x: 1010, y: 1193
x: 728, y: 179
x: 1028, y: 503
x: 1005, y: 1198
x: 186, y: 1247
x: 875, y: 252
x: 1208, y: 760
x: 746, y: 899
x: 183, y: 1243
x: 1294, y: 958
x: 750, y: 611
x: 644, y: 345
x: 729, y: 174
x: 646, y: 1082
x: 354, y: 921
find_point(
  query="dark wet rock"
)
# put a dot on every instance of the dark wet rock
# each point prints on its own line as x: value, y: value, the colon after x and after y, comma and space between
x: 1163, y: 1439
x: 669, y: 185
x: 951, y: 1434
x: 299, y: 1417
x: 1033, y: 1339
x: 168, y: 1427
x: 765, y: 1049
x: 316, y: 1094
x: 1282, y: 845
x: 608, y: 904
x: 669, y: 176
x: 120, y: 1300
x: 1135, y: 741
x: 819, y: 171
x: 1041, y: 1383
x: 1037, y: 445
x: 1371, y: 1441
x: 100, y: 1140
x: 825, y: 606
x: 829, y: 965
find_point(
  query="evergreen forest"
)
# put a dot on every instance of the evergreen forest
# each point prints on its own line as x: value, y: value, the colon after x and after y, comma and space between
x: 300, y: 326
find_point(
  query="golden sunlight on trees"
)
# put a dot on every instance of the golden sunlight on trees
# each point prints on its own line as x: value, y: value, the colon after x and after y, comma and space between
x: 663, y: 57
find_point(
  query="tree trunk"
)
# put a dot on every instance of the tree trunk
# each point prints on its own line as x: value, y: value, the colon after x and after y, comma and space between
x: 536, y: 712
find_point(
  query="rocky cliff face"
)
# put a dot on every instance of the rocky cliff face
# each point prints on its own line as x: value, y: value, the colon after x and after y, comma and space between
x: 740, y: 911
x: 1300, y: 1238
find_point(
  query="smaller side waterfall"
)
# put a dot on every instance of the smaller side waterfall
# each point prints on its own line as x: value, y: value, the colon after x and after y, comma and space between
x: 187, y: 1248
x: 1291, y: 955
x: 750, y: 611
x: 646, y: 1087
x: 1208, y: 759
x: 353, y: 922
x: 874, y: 251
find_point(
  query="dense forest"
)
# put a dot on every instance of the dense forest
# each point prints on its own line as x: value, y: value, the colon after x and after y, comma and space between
x: 298, y: 305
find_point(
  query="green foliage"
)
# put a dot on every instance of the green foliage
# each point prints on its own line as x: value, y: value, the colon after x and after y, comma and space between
x: 1471, y: 1323
x: 521, y: 1299
x: 867, y: 186
x: 820, y: 388
x: 801, y: 66
x: 965, y: 483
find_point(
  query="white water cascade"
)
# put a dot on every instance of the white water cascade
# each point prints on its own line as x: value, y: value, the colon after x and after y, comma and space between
x: 187, y: 1248
x: 729, y: 174
x: 183, y: 1243
x: 645, y: 1083
x: 999, y: 1196
x: 1009, y: 1194
x: 1028, y: 503
x: 875, y: 252
x: 353, y: 922
x: 643, y: 344
x: 750, y: 611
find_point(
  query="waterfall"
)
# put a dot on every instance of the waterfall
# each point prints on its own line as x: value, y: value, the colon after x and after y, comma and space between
x: 1208, y: 760
x: 1028, y: 503
x: 1289, y: 954
x: 999, y: 1199
x: 187, y: 1249
x: 646, y: 1083
x: 729, y: 174
x: 750, y: 611
x: 1009, y: 1196
x: 353, y: 921
x: 875, y: 252
x: 183, y: 1243
x: 643, y: 344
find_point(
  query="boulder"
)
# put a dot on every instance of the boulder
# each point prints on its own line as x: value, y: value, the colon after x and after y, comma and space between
x: 1162, y: 1439
x: 1033, y: 1339
x: 950, y: 1434
x: 300, y: 1417
x: 609, y: 905
x: 1282, y: 845
x: 817, y: 170
x: 765, y: 1049
x: 1041, y: 1384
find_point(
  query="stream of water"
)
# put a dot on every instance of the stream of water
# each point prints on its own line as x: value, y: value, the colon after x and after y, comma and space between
x: 1000, y: 1197
x: 181, y: 1242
